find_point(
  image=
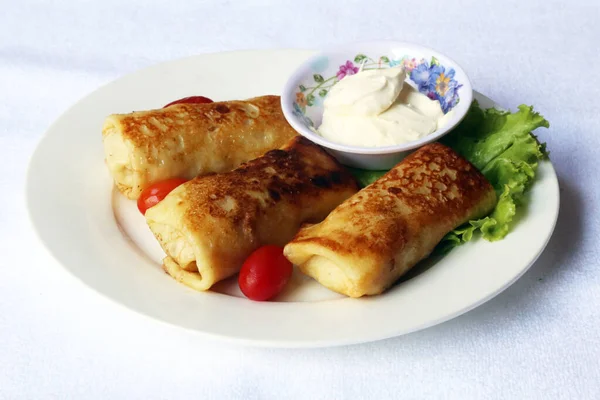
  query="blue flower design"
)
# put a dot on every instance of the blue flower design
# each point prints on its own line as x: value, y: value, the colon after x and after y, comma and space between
x: 433, y: 80
x: 420, y: 75
x: 300, y: 114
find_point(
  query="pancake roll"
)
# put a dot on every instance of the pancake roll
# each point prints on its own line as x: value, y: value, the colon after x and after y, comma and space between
x: 377, y: 235
x: 187, y: 140
x: 210, y: 225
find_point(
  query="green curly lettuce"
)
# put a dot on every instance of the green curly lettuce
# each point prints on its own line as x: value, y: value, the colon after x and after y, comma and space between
x: 365, y: 177
x: 500, y: 144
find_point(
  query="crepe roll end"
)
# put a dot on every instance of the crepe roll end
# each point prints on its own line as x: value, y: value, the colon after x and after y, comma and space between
x: 117, y: 154
x: 192, y: 280
x: 181, y: 258
x: 183, y: 253
x: 320, y: 264
x: 329, y: 274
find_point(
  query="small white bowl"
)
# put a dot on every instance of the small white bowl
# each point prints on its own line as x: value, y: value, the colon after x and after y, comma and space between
x: 303, y: 94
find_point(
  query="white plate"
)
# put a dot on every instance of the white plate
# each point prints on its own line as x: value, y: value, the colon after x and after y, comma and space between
x: 99, y: 237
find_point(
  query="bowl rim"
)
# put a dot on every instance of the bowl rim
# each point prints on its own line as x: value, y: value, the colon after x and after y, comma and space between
x: 289, y: 87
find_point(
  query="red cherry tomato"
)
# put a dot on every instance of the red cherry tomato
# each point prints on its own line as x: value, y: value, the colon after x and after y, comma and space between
x: 191, y: 99
x: 264, y: 273
x: 154, y: 194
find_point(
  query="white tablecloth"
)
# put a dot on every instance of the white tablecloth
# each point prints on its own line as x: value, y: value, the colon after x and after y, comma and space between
x: 538, y: 339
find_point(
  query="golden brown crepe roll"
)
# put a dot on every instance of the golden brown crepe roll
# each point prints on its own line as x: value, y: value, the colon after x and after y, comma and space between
x: 210, y: 225
x: 187, y: 140
x: 378, y: 234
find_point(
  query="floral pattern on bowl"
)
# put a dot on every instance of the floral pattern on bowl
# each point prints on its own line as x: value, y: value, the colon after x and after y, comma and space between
x: 430, y: 77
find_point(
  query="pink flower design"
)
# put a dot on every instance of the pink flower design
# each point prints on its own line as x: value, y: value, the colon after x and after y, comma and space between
x: 409, y: 65
x: 346, y: 69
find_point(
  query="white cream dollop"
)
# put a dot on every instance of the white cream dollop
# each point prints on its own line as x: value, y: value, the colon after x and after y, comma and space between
x: 375, y: 108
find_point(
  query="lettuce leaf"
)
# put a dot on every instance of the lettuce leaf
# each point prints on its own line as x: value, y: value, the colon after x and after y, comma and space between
x: 500, y: 144
x: 366, y: 177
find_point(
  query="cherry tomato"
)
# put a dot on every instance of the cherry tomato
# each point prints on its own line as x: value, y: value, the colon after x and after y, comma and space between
x: 154, y: 194
x: 191, y: 99
x: 264, y: 273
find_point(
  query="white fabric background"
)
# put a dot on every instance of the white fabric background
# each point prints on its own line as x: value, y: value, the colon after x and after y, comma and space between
x: 538, y: 339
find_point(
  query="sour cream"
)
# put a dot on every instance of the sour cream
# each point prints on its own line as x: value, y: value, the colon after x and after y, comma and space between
x: 376, y: 108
